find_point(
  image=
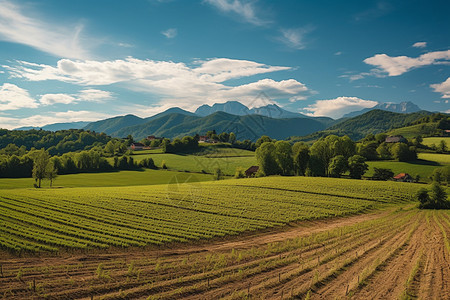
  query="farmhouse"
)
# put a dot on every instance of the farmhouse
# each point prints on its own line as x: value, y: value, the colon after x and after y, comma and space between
x: 403, y: 177
x: 152, y: 138
x: 137, y: 146
x: 396, y: 139
x: 251, y: 172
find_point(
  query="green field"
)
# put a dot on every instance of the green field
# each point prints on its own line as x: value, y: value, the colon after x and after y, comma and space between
x: 207, y: 160
x: 436, y: 140
x: 415, y: 130
x: 442, y: 159
x: 55, y: 219
x: 122, y: 178
x: 424, y: 166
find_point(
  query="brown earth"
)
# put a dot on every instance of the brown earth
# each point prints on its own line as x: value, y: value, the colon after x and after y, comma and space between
x: 384, y: 255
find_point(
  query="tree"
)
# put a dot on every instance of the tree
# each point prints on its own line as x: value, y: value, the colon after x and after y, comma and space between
x: 382, y: 174
x: 322, y: 151
x: 301, y: 157
x: 383, y: 151
x: 265, y: 155
x: 438, y: 197
x: 368, y: 150
x: 41, y: 160
x: 357, y: 166
x: 338, y: 165
x: 442, y: 147
x: 315, y: 167
x: 435, y: 199
x: 263, y: 139
x: 283, y: 156
x: 51, y: 172
x: 441, y: 175
x: 400, y: 152
x: 423, y: 197
x: 218, y: 174
x: 232, y: 138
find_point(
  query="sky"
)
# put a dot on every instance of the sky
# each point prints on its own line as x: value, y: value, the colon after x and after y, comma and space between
x: 65, y: 61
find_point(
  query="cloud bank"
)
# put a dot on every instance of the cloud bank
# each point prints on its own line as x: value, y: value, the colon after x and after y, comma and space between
x: 202, y: 82
x: 336, y: 108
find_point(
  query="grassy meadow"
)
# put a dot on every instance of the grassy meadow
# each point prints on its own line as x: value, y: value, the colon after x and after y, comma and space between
x: 120, y: 178
x: 436, y: 140
x: 207, y: 160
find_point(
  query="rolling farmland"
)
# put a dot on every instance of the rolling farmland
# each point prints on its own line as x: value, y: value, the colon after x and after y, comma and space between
x: 398, y: 253
x: 155, y: 242
x: 53, y: 219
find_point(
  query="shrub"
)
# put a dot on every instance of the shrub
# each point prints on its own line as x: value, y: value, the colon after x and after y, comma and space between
x: 239, y: 173
x: 382, y: 174
x: 435, y: 199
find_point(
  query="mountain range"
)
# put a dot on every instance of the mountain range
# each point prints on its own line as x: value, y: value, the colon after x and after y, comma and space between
x: 405, y: 107
x: 247, y: 123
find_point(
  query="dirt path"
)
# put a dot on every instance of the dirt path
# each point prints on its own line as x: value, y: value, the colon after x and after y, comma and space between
x: 380, y: 255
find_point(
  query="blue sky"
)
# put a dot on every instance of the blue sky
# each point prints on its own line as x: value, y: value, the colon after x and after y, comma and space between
x: 64, y: 61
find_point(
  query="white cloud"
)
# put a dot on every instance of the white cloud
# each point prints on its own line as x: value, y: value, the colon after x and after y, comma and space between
x: 294, y: 38
x: 336, y: 108
x: 338, y: 53
x: 89, y: 95
x: 13, y: 97
x: 198, y: 84
x: 244, y: 9
x: 398, y: 65
x: 50, y: 118
x: 443, y: 88
x: 49, y: 99
x: 56, y: 39
x: 420, y: 45
x: 170, y: 33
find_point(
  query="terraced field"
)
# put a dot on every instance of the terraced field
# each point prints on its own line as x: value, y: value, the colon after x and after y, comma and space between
x: 395, y: 254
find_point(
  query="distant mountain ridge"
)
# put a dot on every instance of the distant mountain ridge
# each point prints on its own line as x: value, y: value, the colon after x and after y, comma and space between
x: 405, y: 107
x: 57, y: 126
x: 239, y: 109
x: 245, y: 127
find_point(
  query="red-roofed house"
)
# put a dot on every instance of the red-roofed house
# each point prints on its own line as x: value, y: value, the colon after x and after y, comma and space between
x: 403, y: 177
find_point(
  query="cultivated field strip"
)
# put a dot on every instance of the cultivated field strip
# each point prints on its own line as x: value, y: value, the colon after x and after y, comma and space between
x: 51, y: 220
x: 391, y: 255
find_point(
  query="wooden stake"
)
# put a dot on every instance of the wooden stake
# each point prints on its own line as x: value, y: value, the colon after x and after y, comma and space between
x: 279, y: 277
x: 346, y: 292
x: 248, y: 290
x: 34, y: 285
x: 208, y: 282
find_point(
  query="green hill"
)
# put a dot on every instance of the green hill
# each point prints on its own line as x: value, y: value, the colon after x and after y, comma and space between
x: 111, y: 125
x: 245, y: 127
x: 374, y: 121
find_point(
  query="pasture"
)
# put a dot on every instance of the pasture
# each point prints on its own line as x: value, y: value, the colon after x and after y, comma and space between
x: 120, y: 178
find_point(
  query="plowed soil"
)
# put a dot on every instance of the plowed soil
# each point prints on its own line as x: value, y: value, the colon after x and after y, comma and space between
x: 385, y: 255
